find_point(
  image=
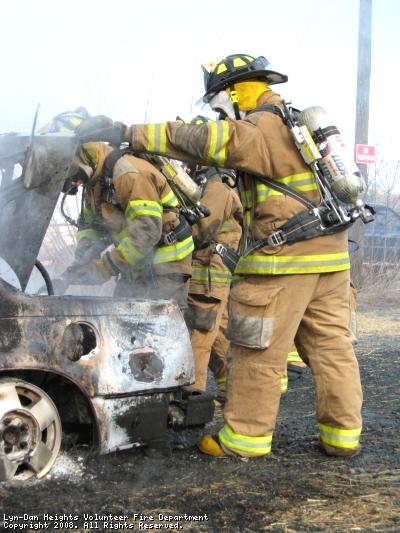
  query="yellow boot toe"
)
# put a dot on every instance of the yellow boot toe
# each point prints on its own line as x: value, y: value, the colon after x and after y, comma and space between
x: 209, y: 444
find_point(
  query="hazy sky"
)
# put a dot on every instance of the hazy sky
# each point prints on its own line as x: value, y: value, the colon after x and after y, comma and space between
x: 137, y: 61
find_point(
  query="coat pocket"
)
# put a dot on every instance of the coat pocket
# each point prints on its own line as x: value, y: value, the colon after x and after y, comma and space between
x: 252, y: 315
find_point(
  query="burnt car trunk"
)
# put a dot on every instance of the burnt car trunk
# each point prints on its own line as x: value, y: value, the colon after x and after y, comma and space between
x: 131, y: 360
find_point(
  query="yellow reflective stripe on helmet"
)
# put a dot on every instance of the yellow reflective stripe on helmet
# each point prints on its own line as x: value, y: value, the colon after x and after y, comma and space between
x: 226, y: 226
x: 157, y: 138
x: 129, y: 252
x: 294, y: 357
x: 287, y: 264
x: 219, y: 134
x: 138, y: 208
x: 238, y: 62
x: 77, y: 119
x: 341, y: 438
x: 221, y: 68
x: 88, y: 233
x: 216, y: 275
x: 284, y: 384
x: 174, y: 252
x: 170, y: 200
x: 234, y: 441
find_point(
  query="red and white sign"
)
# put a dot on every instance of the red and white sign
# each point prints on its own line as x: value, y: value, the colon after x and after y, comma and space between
x: 365, y: 153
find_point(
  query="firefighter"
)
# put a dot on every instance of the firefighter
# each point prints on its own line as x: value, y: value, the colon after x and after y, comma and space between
x: 129, y: 205
x: 211, y: 278
x: 298, y: 291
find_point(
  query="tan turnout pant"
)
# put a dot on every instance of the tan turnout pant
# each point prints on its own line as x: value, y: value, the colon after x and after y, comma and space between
x: 265, y: 314
x: 218, y: 358
x: 207, y: 320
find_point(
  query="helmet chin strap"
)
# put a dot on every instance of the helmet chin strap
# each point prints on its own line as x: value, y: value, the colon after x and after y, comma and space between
x: 235, y: 101
x: 221, y: 102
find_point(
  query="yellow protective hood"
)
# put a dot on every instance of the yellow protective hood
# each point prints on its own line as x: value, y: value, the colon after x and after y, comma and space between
x: 248, y: 93
x: 94, y: 153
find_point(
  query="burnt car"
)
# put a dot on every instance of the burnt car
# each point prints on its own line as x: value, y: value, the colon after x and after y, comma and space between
x: 382, y: 236
x: 113, y: 370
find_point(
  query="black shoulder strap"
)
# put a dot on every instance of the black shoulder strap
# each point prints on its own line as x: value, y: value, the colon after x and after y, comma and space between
x: 106, y: 180
x: 270, y: 108
x: 111, y: 160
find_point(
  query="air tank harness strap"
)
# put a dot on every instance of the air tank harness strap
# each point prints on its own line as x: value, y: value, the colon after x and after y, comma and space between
x: 106, y: 179
x: 270, y: 108
x: 182, y: 231
x: 229, y: 257
x: 305, y: 225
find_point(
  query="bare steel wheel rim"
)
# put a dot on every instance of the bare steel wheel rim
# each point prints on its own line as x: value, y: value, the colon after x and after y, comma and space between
x: 30, y: 430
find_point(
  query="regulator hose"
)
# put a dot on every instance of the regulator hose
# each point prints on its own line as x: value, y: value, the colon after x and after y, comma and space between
x: 46, y: 277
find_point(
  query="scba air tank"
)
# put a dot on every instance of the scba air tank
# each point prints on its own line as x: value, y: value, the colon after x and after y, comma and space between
x: 185, y: 183
x: 336, y: 164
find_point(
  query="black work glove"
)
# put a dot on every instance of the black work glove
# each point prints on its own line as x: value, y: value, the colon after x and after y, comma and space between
x: 101, y: 128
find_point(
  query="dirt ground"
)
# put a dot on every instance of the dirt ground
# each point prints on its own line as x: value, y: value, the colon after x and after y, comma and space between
x: 295, y: 489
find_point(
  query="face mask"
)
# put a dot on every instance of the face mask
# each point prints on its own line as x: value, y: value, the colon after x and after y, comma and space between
x: 72, y: 183
x: 221, y: 103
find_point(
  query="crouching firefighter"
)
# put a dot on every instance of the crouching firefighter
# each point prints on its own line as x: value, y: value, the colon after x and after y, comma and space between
x: 128, y: 203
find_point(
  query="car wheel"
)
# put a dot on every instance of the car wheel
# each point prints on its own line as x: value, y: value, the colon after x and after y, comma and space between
x: 30, y: 430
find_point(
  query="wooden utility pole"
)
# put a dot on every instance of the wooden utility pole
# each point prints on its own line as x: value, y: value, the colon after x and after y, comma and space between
x: 362, y: 120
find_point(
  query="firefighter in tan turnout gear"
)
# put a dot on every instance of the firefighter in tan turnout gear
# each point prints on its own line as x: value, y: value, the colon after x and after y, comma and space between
x: 288, y: 291
x: 128, y: 204
x: 211, y: 278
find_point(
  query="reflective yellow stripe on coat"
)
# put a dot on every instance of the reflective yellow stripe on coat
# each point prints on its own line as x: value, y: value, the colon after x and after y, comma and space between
x: 157, y: 138
x: 341, y: 438
x: 214, y: 275
x: 137, y: 208
x: 88, y: 233
x: 301, y: 183
x: 88, y: 215
x: 254, y: 445
x: 226, y: 226
x: 170, y: 200
x: 174, y: 252
x: 219, y: 136
x: 287, y: 264
x: 124, y: 245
